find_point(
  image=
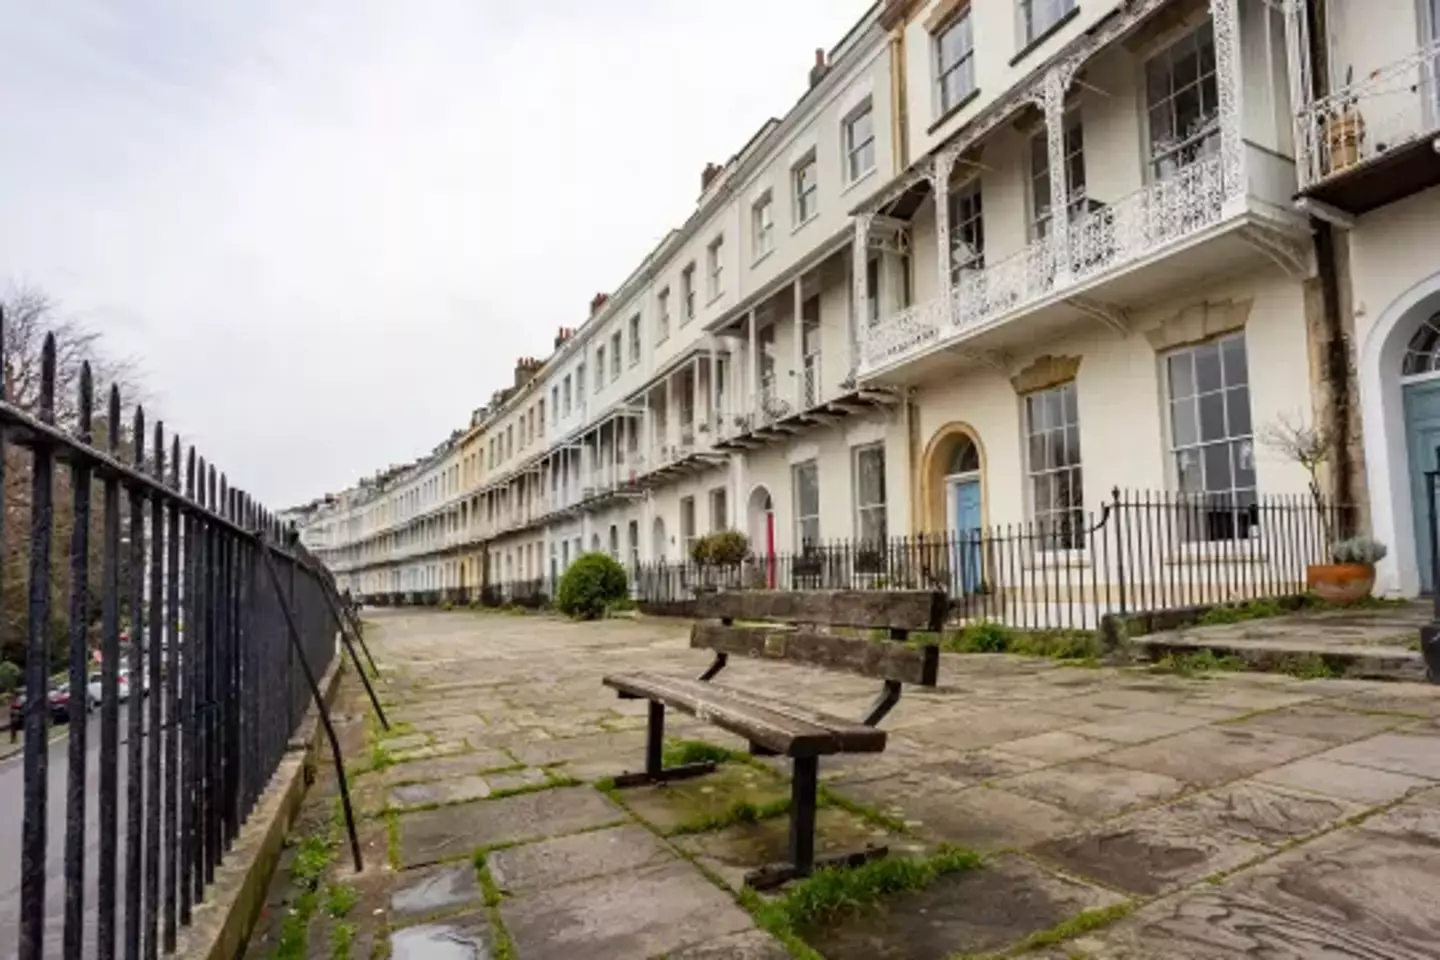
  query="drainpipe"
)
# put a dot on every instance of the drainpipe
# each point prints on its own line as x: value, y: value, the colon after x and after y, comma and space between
x: 1335, y: 356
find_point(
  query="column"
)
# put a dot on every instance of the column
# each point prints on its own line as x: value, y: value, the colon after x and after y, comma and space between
x: 753, y: 366
x: 859, y: 259
x: 1057, y: 81
x: 944, y: 164
x: 715, y: 412
x: 1225, y: 18
x: 798, y: 353
x: 695, y: 397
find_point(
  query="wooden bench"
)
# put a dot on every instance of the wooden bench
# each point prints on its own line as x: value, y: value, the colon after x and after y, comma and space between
x: 777, y: 727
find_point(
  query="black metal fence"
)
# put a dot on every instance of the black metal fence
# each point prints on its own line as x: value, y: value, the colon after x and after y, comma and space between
x: 156, y: 602
x: 1142, y: 551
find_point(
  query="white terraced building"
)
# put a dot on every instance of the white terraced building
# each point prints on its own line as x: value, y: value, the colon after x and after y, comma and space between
x: 1000, y: 258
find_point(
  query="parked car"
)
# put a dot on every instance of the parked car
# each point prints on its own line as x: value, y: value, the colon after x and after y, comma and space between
x: 95, y: 687
x: 61, y: 706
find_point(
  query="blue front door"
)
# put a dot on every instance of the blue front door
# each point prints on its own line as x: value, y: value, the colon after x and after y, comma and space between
x: 1422, y: 428
x: 965, y: 496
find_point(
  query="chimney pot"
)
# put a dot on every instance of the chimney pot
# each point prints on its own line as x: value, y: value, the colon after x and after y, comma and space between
x: 598, y: 301
x: 821, y: 67
x: 708, y: 175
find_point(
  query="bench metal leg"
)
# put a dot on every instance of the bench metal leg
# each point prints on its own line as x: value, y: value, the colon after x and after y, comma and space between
x: 655, y: 770
x: 802, y: 814
x: 803, y: 804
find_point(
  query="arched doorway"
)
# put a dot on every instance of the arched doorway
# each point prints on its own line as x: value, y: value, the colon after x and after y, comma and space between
x: 953, y: 496
x: 1420, y: 390
x: 1399, y: 378
x: 760, y: 527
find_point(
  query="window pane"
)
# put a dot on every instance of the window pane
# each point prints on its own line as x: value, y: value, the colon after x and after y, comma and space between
x: 1037, y: 452
x: 1040, y: 492
x: 1244, y: 463
x: 1182, y: 375
x: 1184, y: 431
x: 1212, y: 416
x: 1207, y: 368
x: 1072, y: 445
x: 1187, y: 469
x: 1217, y: 467
x: 1055, y: 448
x: 1054, y: 407
x: 1237, y: 405
x: 1232, y: 352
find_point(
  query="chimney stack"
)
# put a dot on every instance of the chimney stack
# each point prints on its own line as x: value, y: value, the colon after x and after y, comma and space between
x: 525, y: 369
x: 562, y: 335
x: 818, y: 71
x: 708, y: 175
x: 598, y: 301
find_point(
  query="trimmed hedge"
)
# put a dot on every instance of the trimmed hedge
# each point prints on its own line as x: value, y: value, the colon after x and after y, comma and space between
x: 592, y: 583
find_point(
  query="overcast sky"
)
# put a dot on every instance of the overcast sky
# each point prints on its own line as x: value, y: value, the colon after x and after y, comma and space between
x: 327, y: 229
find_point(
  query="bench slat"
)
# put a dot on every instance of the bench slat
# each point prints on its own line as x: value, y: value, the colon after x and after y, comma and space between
x: 870, y: 658
x: 875, y: 609
x: 779, y: 727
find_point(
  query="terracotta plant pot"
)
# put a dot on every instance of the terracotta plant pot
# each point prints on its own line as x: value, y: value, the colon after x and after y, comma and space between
x: 1344, y: 133
x: 1340, y: 582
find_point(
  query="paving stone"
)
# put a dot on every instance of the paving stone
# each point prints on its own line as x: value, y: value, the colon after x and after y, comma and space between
x: 457, y: 831
x: 901, y: 755
x: 985, y: 729
x: 456, y: 766
x: 1318, y: 722
x: 467, y: 937
x: 628, y: 744
x: 439, y: 792
x: 1138, y: 727
x: 1343, y: 780
x: 1418, y: 756
x: 1418, y: 701
x: 1150, y: 851
x: 1252, y: 696
x: 1093, y: 789
x: 439, y: 749
x: 425, y: 893
x: 636, y: 913
x: 1057, y: 746
x: 515, y: 779
x: 407, y: 742
x: 1349, y: 894
x: 982, y: 818
x: 976, y: 766
x: 1415, y: 821
x: 1213, y: 754
x: 753, y: 945
x: 578, y: 857
x: 1264, y: 813
x: 972, y: 912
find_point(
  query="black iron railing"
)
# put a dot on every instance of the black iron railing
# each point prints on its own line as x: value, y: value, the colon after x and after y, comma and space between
x: 1140, y: 551
x: 169, y: 589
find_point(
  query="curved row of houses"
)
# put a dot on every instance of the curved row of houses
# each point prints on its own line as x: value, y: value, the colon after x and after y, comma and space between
x: 1000, y: 258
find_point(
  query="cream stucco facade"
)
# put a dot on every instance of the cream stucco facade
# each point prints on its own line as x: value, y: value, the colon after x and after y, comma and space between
x: 876, y: 292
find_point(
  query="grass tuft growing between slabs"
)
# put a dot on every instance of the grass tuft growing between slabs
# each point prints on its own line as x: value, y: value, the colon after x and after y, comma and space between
x: 833, y: 893
x: 1200, y: 661
x: 311, y: 860
x: 504, y: 945
x: 742, y: 811
x: 680, y: 752
x: 1076, y: 926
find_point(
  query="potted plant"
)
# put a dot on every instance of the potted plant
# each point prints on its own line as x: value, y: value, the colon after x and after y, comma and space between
x: 1352, y: 574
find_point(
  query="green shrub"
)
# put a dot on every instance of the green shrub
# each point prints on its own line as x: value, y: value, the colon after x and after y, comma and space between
x: 10, y: 675
x: 593, y: 581
x: 725, y: 548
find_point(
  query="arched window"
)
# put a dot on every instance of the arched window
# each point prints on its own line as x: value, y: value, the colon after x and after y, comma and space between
x: 1422, y: 355
x: 965, y: 458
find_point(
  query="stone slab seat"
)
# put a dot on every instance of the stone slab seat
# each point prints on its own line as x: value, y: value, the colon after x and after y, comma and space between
x: 778, y: 727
